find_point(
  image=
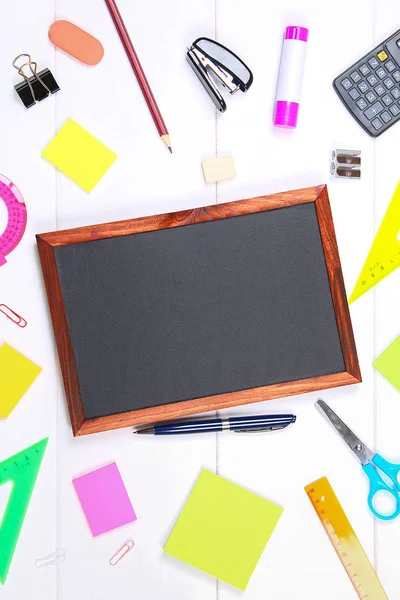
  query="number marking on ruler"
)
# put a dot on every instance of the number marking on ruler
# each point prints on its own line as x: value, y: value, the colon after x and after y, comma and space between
x: 16, y: 223
x: 344, y: 540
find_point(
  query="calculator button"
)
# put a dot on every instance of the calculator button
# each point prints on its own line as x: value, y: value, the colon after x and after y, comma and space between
x: 377, y: 124
x: 355, y: 75
x: 388, y: 100
x: 370, y: 97
x: 372, y: 80
x: 362, y: 104
x: 373, y: 110
x: 390, y: 66
x: 365, y: 69
x: 395, y: 93
x: 382, y: 55
x: 388, y: 82
x: 386, y: 117
x: 354, y: 94
x: 379, y: 89
x: 395, y: 110
x: 373, y: 62
x: 346, y: 83
x: 363, y: 87
x: 381, y: 72
x: 396, y: 76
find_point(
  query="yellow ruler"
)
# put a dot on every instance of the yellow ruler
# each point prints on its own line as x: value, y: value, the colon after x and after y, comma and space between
x: 344, y: 540
x: 384, y: 256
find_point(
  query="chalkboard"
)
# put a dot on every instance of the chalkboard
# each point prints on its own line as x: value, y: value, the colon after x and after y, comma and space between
x: 217, y: 306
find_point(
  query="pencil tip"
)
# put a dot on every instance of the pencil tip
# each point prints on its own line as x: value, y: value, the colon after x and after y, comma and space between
x: 165, y: 138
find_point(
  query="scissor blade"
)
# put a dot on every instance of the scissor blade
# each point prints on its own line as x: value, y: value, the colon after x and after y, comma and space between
x: 363, y: 453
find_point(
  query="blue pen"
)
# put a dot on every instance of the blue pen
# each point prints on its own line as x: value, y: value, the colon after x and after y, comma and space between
x: 237, y: 424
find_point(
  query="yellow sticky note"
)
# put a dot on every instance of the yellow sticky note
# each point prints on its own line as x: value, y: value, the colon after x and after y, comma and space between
x: 223, y: 529
x: 79, y: 155
x: 388, y: 363
x: 17, y: 374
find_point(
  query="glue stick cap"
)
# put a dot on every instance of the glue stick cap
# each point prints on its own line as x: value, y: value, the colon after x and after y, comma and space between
x: 296, y: 33
x: 286, y: 114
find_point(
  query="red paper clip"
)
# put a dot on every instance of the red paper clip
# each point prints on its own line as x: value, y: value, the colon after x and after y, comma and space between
x: 121, y: 552
x: 13, y: 316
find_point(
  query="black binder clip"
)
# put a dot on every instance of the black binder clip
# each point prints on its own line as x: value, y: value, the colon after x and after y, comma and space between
x: 35, y: 86
x: 211, y: 61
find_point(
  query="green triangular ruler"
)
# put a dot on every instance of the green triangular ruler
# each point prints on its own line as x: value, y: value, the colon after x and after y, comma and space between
x: 22, y: 470
x: 384, y: 256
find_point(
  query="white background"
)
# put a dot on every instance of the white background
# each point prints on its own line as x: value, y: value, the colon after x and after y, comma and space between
x: 159, y: 473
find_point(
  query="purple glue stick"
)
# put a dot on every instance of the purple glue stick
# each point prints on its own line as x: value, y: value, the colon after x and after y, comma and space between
x: 290, y: 78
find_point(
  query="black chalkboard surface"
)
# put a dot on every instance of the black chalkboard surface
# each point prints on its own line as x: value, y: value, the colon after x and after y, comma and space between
x: 168, y: 316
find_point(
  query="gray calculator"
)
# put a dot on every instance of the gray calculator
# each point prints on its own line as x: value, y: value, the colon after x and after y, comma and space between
x: 370, y: 89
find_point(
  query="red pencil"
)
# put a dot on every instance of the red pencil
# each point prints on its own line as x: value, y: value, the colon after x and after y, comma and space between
x: 140, y: 76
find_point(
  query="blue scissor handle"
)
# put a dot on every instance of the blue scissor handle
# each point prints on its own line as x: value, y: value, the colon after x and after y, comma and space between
x: 377, y: 484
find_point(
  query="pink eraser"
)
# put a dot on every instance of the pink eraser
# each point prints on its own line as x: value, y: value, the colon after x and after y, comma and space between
x: 76, y: 42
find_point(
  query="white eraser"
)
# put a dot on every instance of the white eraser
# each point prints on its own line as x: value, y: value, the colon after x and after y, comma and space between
x: 218, y: 169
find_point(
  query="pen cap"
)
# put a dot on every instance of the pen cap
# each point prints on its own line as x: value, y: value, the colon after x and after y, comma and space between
x: 290, y: 78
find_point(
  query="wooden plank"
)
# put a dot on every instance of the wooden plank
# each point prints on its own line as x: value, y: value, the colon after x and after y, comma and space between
x: 386, y: 297
x: 268, y: 159
x: 23, y: 133
x: 144, y: 180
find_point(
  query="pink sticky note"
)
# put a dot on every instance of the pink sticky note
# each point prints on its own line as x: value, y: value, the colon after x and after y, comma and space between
x: 104, y: 499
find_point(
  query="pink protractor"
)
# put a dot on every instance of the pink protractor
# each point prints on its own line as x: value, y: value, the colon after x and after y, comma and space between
x: 17, y: 217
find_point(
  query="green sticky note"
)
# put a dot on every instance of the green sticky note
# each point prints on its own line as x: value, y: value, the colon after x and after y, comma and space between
x: 388, y: 363
x: 223, y: 529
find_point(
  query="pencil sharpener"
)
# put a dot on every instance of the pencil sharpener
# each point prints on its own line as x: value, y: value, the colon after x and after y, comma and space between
x: 346, y: 164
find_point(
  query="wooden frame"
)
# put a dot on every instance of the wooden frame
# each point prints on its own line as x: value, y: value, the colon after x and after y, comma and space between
x: 48, y: 241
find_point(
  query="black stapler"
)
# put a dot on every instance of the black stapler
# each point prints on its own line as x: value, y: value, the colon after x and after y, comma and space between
x: 211, y: 62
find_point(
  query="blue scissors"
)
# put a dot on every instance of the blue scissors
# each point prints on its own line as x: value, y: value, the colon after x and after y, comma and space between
x: 370, y: 463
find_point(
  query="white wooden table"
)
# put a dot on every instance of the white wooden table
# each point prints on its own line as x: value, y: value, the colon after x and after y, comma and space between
x: 159, y: 473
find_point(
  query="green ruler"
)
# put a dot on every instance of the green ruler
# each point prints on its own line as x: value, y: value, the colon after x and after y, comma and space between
x: 21, y: 470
